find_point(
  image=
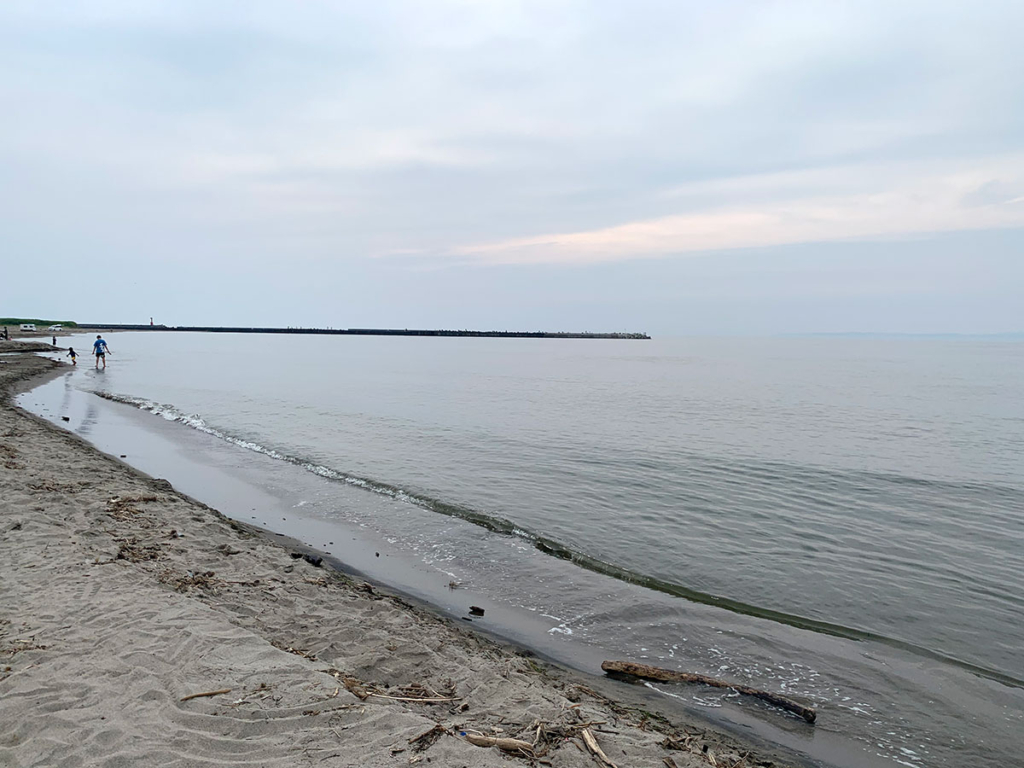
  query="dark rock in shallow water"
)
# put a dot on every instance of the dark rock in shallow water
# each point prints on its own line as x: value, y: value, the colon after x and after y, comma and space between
x: 476, y: 610
x: 314, y: 560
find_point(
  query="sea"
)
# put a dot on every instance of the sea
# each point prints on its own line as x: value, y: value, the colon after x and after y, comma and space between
x: 836, y: 519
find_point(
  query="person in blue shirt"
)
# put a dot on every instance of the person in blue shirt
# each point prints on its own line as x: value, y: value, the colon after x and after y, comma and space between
x: 99, y: 347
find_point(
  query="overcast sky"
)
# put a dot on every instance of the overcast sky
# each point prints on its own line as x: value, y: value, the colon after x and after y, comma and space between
x: 675, y: 167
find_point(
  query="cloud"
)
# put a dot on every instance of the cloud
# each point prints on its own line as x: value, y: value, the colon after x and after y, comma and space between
x: 928, y: 203
x: 154, y: 137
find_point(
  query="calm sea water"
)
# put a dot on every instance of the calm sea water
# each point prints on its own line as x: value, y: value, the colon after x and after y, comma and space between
x: 841, y: 519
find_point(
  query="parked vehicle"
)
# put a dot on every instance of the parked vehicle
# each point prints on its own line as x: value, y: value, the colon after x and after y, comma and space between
x: 28, y: 326
x: 55, y: 328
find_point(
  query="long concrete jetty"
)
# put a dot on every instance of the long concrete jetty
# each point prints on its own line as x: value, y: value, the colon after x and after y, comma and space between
x: 365, y: 331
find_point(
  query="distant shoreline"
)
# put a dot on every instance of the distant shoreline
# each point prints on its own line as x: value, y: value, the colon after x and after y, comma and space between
x: 366, y: 331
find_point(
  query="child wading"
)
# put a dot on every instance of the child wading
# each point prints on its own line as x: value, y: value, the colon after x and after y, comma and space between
x: 73, y: 355
x: 99, y: 347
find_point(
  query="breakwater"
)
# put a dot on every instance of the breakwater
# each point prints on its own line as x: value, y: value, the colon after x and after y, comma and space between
x: 366, y: 331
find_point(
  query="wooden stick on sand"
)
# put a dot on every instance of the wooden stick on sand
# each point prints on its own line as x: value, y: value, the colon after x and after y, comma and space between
x: 206, y: 693
x: 671, y: 676
x: 595, y: 749
x: 423, y: 700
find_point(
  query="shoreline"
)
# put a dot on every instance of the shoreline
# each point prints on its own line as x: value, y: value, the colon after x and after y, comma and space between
x: 129, y: 560
x: 548, y: 547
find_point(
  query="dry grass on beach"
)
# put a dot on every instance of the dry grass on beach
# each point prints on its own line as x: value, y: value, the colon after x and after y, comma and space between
x: 138, y: 627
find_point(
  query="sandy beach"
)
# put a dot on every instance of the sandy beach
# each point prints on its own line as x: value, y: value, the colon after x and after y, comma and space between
x: 140, y: 627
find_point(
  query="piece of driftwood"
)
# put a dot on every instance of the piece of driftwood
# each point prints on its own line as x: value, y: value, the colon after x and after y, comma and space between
x: 205, y: 693
x: 595, y: 748
x: 671, y: 676
x: 355, y: 687
x: 417, y: 699
x: 426, y: 739
x: 509, y: 745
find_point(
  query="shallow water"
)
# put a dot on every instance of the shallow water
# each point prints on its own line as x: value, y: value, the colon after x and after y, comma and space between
x: 843, y: 518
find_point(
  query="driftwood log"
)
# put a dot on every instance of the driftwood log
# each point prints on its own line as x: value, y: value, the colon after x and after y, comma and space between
x: 671, y: 676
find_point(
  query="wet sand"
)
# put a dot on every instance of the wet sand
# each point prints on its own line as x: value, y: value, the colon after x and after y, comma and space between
x: 120, y: 598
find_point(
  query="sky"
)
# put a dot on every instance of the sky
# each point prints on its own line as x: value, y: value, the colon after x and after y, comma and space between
x: 670, y: 167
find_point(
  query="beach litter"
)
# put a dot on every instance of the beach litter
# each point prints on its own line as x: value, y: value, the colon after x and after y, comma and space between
x: 419, y: 694
x: 412, y: 693
x: 134, y: 551
x: 123, y: 508
x: 297, y: 651
x: 191, y: 580
x: 54, y: 486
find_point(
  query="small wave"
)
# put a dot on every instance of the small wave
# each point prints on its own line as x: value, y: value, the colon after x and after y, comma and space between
x: 171, y: 413
x: 554, y: 548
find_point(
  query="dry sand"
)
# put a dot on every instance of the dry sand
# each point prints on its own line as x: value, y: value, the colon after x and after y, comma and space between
x: 120, y: 597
